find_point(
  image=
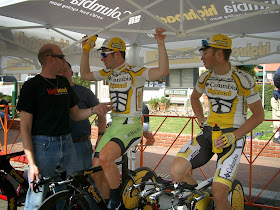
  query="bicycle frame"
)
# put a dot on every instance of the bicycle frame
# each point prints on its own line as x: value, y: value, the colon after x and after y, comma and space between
x: 186, y: 195
x: 7, y: 168
x: 79, y: 186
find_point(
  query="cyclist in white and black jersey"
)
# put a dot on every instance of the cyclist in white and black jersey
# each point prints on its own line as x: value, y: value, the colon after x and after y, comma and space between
x: 126, y: 86
x: 230, y: 92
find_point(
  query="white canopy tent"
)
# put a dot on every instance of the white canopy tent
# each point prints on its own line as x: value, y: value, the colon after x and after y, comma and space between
x: 253, y: 26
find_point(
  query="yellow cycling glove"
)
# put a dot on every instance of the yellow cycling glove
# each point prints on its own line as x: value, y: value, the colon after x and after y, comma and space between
x: 229, y: 138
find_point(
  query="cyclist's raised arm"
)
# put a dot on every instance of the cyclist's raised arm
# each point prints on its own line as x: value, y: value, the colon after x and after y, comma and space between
x: 26, y: 126
x: 163, y: 68
x: 84, y: 66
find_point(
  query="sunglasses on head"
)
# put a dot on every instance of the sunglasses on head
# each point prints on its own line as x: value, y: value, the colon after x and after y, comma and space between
x: 105, y: 54
x: 205, y: 43
x: 57, y: 56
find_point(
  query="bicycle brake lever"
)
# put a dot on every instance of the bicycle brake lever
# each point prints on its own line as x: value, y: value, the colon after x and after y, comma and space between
x: 36, y: 185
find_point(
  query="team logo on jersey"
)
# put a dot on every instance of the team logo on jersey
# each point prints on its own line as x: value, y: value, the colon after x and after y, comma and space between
x: 120, y: 81
x: 219, y: 92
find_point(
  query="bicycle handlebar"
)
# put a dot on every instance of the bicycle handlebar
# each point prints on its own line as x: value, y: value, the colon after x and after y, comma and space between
x: 43, y: 180
x: 62, y: 175
x: 182, y: 189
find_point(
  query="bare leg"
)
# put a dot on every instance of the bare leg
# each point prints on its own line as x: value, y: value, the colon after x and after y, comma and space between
x: 100, y: 180
x: 107, y: 157
x: 180, y: 171
x: 220, y: 194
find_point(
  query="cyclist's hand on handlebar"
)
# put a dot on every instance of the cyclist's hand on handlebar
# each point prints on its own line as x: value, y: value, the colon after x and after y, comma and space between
x: 36, y: 185
x: 33, y: 174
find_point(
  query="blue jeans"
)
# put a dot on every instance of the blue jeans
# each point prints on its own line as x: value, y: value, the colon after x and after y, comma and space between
x: 84, y: 161
x: 50, y: 153
x: 84, y: 155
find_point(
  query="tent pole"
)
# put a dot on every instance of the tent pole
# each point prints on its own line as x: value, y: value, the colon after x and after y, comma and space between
x: 181, y: 16
x: 263, y: 90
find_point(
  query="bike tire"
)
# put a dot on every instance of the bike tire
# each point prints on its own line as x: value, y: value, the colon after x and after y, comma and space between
x: 8, y: 195
x: 141, y: 174
x: 236, y: 196
x: 64, y: 197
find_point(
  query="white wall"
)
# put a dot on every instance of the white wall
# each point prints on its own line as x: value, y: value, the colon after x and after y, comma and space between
x: 7, y: 89
x: 148, y: 94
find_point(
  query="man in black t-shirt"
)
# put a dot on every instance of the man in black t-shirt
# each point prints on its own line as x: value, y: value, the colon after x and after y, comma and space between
x: 81, y: 130
x: 45, y: 103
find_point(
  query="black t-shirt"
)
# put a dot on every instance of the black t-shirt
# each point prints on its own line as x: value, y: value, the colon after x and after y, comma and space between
x: 50, y: 106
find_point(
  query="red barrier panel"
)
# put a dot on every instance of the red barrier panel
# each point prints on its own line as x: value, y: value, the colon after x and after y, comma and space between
x: 250, y: 153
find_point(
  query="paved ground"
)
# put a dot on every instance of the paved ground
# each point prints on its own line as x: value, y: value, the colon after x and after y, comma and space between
x: 263, y: 170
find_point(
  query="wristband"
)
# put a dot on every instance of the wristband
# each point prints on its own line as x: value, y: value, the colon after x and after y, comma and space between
x: 229, y: 138
x: 101, y: 133
x: 92, y: 110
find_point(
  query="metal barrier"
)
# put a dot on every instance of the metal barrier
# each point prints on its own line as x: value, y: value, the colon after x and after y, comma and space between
x: 189, y: 120
x: 193, y: 121
x: 6, y: 128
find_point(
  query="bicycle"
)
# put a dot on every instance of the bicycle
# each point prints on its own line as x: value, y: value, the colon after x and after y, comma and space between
x: 79, y: 188
x: 14, y: 197
x: 185, y: 196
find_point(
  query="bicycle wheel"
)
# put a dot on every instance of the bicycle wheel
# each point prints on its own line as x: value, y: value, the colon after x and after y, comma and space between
x: 7, y: 195
x: 130, y: 199
x: 236, y: 196
x: 65, y: 200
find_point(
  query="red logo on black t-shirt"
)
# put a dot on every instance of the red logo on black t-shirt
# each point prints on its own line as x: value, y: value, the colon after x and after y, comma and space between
x: 52, y: 91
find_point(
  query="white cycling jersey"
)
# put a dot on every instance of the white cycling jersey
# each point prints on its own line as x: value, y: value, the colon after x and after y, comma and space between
x: 228, y: 95
x: 126, y: 86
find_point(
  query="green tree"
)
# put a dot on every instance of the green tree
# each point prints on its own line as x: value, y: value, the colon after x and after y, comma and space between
x: 268, y: 89
x: 77, y: 80
x: 249, y: 69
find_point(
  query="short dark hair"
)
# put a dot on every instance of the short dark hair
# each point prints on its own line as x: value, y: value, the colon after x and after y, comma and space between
x: 122, y: 54
x: 226, y: 52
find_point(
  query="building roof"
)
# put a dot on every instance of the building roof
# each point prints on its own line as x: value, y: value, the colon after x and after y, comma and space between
x: 271, y: 66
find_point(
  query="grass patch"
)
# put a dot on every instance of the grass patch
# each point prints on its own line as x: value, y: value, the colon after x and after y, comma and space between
x: 176, y: 124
